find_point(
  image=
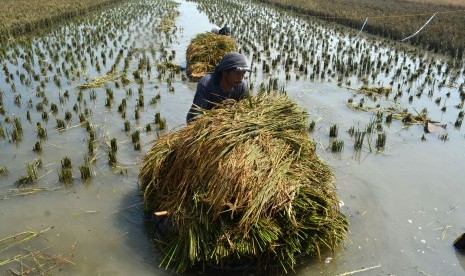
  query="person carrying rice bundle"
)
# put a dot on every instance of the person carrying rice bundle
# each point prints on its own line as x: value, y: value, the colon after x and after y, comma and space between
x: 226, y: 82
x: 242, y: 185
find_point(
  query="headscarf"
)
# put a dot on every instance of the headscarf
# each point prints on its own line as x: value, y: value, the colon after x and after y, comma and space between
x: 232, y: 61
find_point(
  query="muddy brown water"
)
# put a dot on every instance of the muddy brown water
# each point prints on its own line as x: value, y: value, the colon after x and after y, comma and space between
x: 405, y: 202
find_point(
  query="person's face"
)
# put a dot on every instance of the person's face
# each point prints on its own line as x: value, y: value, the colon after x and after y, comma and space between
x: 234, y: 77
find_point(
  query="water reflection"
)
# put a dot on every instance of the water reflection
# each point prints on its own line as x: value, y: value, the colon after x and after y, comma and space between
x: 460, y: 258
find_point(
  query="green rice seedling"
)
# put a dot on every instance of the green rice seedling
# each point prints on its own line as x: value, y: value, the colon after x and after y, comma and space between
x: 68, y: 116
x: 65, y: 176
x: 92, y: 95
x: 359, y: 136
x: 2, y: 132
x: 17, y: 124
x: 37, y: 147
x: 112, y: 157
x: 389, y: 118
x: 41, y: 132
x: 53, y: 108
x: 91, y: 135
x: 141, y: 101
x: 444, y: 137
x: 458, y: 123
x: 85, y: 171
x: 122, y: 106
x: 351, y: 131
x: 16, y: 136
x: 80, y: 96
x: 28, y: 116
x: 90, y: 147
x: 23, y: 180
x: 333, y: 131
x: 127, y: 125
x: 136, y: 75
x: 124, y: 80
x: 82, y: 118
x: 135, y: 136
x: 61, y: 125
x: 137, y: 146
x: 157, y: 118
x: 136, y: 113
x: 66, y: 163
x: 108, y: 102
x: 337, y: 146
x: 370, y: 126
x: 109, y: 93
x: 44, y: 116
x: 88, y: 126
x: 3, y: 171
x: 423, y: 138
x: 148, y: 127
x: 381, y: 140
x: 113, y: 144
x: 162, y: 124
x: 76, y: 108
x: 31, y: 177
x: 153, y: 101
x: 40, y: 107
x: 311, y: 127
x: 18, y: 100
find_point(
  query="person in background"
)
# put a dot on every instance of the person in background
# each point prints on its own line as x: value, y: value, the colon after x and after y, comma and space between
x: 226, y: 82
x: 225, y: 31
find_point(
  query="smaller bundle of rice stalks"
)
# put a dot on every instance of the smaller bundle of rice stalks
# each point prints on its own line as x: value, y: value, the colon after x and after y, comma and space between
x: 242, y: 185
x: 205, y: 52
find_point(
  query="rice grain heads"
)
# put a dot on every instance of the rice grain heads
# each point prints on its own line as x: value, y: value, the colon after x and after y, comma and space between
x: 205, y: 52
x: 242, y: 184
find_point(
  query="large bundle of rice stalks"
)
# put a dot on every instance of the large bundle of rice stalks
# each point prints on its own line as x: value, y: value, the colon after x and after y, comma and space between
x: 205, y: 52
x: 242, y: 184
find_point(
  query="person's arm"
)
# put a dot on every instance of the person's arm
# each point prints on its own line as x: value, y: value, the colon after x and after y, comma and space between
x: 201, y: 100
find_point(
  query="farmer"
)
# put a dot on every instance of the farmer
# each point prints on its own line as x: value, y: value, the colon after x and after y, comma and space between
x: 225, y: 31
x: 226, y: 82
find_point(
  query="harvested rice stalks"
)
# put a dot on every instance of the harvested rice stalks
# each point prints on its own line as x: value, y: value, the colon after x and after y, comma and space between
x: 98, y: 81
x: 403, y: 115
x: 25, y: 191
x: 24, y: 260
x: 205, y: 52
x: 373, y: 92
x: 242, y: 184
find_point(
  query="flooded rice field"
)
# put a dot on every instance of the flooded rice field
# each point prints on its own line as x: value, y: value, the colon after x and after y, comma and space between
x: 80, y: 106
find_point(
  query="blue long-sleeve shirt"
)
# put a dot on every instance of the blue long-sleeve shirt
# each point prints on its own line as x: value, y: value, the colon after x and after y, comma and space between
x: 209, y: 93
